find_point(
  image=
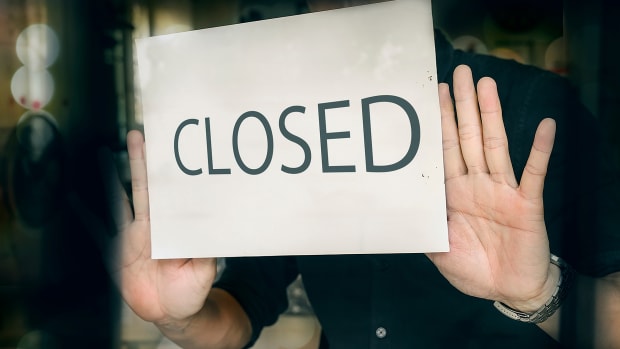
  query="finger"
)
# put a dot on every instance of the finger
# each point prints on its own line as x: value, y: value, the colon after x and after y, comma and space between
x: 533, y: 179
x: 454, y: 165
x: 139, y: 184
x: 494, y: 134
x: 468, y: 115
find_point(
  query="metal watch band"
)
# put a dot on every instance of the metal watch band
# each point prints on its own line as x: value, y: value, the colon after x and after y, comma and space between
x: 552, y: 305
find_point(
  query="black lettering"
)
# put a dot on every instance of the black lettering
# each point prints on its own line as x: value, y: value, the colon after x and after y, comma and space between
x: 177, y: 156
x: 210, y: 152
x: 415, y: 132
x: 260, y: 117
x: 324, y: 135
x: 295, y: 139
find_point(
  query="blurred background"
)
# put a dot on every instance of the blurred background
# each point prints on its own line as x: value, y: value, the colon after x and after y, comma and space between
x: 67, y: 96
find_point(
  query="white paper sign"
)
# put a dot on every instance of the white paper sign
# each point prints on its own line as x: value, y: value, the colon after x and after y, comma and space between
x: 311, y: 134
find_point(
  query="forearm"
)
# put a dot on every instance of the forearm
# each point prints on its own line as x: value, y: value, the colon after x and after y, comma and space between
x: 595, y: 318
x: 221, y: 323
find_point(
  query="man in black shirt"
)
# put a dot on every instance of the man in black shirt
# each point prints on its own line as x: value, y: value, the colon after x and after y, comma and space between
x: 501, y: 238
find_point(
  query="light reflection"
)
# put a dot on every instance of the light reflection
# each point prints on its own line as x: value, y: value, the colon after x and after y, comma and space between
x: 37, y: 46
x: 32, y: 89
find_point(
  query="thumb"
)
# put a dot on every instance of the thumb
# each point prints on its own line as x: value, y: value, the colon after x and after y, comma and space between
x: 533, y: 178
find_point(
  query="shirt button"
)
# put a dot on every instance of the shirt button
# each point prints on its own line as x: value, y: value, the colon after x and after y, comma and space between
x: 381, y: 332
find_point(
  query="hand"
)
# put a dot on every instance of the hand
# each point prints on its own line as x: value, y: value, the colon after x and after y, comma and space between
x: 166, y: 292
x: 499, y: 248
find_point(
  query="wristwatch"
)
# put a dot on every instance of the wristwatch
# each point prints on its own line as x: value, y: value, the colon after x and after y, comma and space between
x: 552, y: 305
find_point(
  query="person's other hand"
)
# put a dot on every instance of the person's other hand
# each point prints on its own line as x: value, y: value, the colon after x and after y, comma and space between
x: 499, y: 248
x: 167, y: 292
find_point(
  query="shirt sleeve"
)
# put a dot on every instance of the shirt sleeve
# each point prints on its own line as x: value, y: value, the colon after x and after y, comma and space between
x: 259, y: 285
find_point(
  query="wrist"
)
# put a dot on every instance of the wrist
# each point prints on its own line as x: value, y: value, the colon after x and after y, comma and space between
x: 550, y: 306
x: 170, y: 326
x: 534, y: 303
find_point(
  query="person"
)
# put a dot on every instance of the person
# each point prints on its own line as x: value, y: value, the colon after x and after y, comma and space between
x: 502, y: 239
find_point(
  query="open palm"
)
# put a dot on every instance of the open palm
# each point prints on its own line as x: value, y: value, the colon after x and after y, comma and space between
x: 499, y: 248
